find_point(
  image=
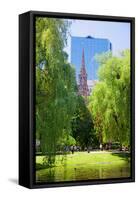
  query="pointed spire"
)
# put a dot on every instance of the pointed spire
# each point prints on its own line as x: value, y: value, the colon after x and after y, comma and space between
x: 83, y: 87
x: 83, y: 59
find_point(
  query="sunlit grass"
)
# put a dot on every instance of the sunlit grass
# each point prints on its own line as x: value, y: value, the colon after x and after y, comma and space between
x: 83, y: 166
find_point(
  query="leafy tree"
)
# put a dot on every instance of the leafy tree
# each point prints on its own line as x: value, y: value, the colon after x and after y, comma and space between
x: 55, y: 85
x: 110, y: 100
x: 97, y: 106
x: 82, y: 125
x: 66, y: 140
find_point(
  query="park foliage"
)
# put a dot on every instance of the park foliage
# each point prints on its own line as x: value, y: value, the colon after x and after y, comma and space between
x: 109, y: 102
x: 63, y: 118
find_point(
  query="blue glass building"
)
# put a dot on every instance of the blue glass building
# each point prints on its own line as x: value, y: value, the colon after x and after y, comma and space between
x: 91, y: 46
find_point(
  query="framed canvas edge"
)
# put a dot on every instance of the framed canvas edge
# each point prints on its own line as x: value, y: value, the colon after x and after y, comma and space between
x: 33, y: 14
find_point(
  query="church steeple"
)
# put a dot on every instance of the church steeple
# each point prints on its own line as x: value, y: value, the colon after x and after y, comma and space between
x: 83, y: 60
x: 83, y: 87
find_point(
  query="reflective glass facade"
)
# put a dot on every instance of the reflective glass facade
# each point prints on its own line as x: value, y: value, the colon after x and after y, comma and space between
x: 91, y: 47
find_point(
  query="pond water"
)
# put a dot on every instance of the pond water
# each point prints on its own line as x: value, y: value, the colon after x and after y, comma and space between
x: 83, y: 171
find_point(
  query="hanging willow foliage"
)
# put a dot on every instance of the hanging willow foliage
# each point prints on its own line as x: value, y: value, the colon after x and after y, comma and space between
x: 110, y: 100
x: 55, y: 85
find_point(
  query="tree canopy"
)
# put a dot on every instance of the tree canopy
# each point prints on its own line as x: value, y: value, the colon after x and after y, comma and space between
x: 82, y: 125
x: 110, y: 99
x: 55, y: 84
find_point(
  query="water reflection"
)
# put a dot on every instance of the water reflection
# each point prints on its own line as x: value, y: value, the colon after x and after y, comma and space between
x: 76, y: 172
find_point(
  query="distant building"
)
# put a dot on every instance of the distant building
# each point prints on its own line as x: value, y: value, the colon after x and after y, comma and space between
x: 91, y: 46
x: 82, y: 83
x: 91, y: 84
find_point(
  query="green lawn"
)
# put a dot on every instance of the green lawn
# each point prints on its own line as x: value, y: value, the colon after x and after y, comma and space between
x: 84, y: 166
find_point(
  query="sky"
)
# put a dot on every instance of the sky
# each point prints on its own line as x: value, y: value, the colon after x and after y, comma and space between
x: 117, y: 32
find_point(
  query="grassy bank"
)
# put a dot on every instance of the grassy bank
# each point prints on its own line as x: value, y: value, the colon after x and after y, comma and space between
x: 83, y: 166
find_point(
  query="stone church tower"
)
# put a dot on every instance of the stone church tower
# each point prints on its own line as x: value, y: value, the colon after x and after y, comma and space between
x: 83, y: 87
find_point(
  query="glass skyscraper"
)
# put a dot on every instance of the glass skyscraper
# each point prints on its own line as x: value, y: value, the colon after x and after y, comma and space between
x: 91, y: 46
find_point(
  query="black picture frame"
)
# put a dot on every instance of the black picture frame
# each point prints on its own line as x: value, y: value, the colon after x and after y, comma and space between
x: 27, y: 97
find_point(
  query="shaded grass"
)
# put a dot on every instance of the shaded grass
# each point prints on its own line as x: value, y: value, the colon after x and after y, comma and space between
x: 123, y: 155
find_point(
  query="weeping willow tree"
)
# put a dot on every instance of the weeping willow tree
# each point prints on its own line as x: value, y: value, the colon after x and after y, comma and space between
x: 110, y: 99
x: 55, y: 85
